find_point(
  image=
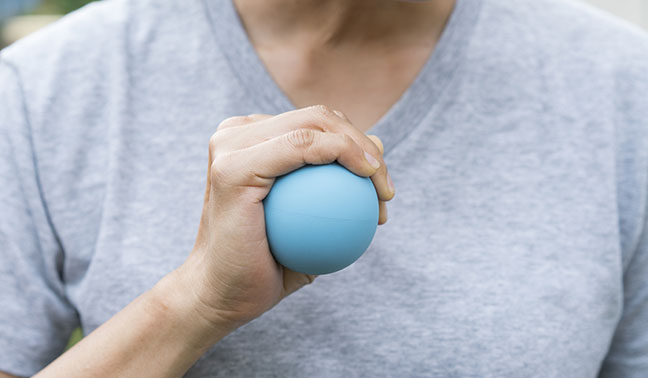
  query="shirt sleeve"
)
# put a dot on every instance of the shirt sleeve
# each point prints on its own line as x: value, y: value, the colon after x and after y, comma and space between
x: 628, y: 353
x: 35, y: 316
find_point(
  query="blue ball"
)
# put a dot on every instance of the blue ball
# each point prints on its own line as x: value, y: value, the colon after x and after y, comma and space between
x: 320, y: 218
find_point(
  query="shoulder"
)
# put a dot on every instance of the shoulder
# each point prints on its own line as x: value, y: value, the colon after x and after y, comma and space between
x: 85, y: 61
x: 574, y: 51
x: 71, y: 57
x: 97, y: 26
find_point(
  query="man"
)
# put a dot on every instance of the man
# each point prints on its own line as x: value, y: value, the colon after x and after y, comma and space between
x: 514, y: 131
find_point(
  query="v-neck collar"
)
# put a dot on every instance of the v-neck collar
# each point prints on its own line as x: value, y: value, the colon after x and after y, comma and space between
x: 403, y: 116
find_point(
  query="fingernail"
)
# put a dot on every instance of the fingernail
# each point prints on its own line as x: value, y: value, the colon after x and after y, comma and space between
x: 372, y: 160
x: 390, y: 183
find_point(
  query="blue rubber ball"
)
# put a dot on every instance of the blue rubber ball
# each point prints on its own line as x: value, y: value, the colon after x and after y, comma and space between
x: 320, y: 218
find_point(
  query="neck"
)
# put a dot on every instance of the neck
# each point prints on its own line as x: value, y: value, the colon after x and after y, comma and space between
x: 343, y: 22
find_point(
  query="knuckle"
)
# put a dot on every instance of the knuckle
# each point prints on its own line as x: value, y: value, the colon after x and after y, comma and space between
x: 214, y: 141
x: 233, y: 121
x: 323, y: 118
x: 221, y: 142
x: 220, y: 169
x: 301, y: 138
x: 341, y: 114
x: 322, y: 111
x: 227, y: 122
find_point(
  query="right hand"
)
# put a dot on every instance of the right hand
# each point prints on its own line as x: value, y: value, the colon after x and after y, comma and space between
x: 231, y: 272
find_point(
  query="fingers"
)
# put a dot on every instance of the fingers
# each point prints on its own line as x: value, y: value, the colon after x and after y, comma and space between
x: 382, y: 215
x: 341, y: 115
x: 242, y: 120
x: 260, y: 164
x: 381, y: 179
x: 377, y: 142
x: 317, y: 118
x: 293, y: 281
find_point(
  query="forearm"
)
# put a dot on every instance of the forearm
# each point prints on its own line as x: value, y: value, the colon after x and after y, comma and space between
x: 159, y: 334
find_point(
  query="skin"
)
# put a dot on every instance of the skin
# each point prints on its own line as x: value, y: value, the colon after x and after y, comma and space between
x: 357, y: 56
x: 230, y: 278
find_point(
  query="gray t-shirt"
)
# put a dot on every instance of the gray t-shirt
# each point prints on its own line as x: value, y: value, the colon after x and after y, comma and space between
x: 516, y: 246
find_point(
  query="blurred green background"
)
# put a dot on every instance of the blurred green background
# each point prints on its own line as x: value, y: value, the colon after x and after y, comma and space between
x: 77, y: 335
x: 59, y: 6
x: 36, y: 14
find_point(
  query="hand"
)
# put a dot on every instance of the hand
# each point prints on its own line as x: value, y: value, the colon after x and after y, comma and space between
x: 231, y: 271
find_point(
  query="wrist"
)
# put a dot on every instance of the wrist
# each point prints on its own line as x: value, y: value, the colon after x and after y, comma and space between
x: 174, y: 297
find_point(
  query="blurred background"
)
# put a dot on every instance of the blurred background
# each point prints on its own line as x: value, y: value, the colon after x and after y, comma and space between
x: 21, y: 17
x: 635, y: 11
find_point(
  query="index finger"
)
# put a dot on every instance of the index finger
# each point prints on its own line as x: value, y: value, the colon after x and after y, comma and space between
x: 322, y: 118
